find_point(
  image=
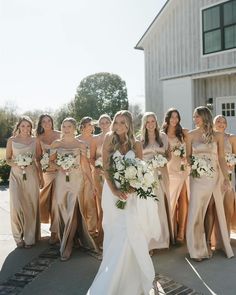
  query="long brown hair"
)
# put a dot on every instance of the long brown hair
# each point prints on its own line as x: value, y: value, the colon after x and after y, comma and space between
x: 16, y: 130
x: 178, y: 129
x: 207, y: 119
x: 40, y: 129
x: 144, y: 133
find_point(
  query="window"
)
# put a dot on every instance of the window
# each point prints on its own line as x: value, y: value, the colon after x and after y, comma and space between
x: 228, y: 109
x: 219, y: 27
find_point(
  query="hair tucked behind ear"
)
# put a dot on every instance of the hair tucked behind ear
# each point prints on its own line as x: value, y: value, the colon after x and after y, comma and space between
x: 206, y: 116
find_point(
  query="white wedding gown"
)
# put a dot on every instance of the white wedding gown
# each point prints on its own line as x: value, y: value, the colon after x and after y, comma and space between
x: 126, y: 268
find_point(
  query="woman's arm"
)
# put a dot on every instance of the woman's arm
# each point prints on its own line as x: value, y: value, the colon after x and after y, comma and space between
x: 139, y: 150
x: 221, y: 154
x: 9, y: 159
x: 38, y: 156
x: 93, y: 148
x: 188, y: 140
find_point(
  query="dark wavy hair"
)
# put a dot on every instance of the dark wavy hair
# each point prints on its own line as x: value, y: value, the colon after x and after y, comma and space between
x: 178, y: 130
x: 39, y: 129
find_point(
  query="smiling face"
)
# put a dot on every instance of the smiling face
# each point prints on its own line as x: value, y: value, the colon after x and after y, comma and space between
x: 151, y: 123
x: 120, y: 125
x: 174, y: 119
x: 104, y: 124
x: 25, y: 128
x: 220, y: 124
x: 197, y: 119
x: 46, y: 123
x: 88, y: 128
x: 68, y: 129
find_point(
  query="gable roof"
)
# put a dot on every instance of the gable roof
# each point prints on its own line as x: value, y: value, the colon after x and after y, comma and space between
x: 138, y: 45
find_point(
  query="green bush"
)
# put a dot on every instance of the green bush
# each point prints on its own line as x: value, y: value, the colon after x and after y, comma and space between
x: 4, y: 171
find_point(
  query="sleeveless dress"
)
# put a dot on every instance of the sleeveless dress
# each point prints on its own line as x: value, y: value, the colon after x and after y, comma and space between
x: 24, y: 198
x: 126, y: 267
x: 201, y: 191
x: 177, y: 179
x: 163, y: 195
x: 68, y: 196
x: 47, y: 200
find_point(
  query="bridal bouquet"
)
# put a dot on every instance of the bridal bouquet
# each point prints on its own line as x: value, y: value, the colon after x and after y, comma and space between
x: 98, y: 163
x: 66, y: 162
x: 230, y: 161
x: 45, y: 161
x: 201, y: 166
x: 24, y: 160
x: 158, y: 161
x: 179, y: 151
x: 130, y: 173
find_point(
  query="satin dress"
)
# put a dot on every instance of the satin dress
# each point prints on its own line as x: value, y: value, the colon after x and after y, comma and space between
x: 24, y: 197
x: 163, y: 195
x: 177, y: 179
x: 47, y: 200
x: 68, y: 197
x: 126, y: 267
x: 201, y: 191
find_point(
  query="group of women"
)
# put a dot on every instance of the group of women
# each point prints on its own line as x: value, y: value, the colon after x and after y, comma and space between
x: 79, y: 202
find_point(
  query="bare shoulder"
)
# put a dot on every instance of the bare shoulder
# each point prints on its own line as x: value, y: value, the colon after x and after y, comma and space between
x: 57, y: 133
x: 185, y: 131
x: 138, y: 143
x: 232, y: 138
x: 56, y: 143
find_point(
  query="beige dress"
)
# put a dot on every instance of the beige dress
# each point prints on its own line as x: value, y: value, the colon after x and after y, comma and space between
x: 68, y: 196
x: 47, y: 201
x: 177, y: 178
x: 201, y: 191
x: 24, y: 198
x: 163, y: 195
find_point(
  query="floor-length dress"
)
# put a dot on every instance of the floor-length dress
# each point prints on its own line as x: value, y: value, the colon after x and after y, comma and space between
x: 47, y: 199
x: 68, y: 197
x: 163, y: 195
x: 126, y: 267
x: 24, y: 197
x: 177, y: 179
x: 201, y: 191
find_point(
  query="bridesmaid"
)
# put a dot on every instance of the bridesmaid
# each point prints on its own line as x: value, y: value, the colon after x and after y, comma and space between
x: 46, y: 135
x: 220, y: 125
x: 69, y: 185
x: 204, y: 142
x: 104, y: 122
x: 178, y: 173
x: 24, y: 185
x: 89, y: 207
x: 154, y: 143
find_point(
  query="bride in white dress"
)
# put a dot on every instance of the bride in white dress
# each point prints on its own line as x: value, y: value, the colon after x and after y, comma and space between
x: 126, y: 268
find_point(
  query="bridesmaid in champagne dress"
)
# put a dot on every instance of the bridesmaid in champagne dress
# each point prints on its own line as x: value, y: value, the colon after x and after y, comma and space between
x: 220, y: 125
x: 178, y: 174
x: 47, y: 203
x: 24, y: 185
x: 104, y: 122
x: 154, y: 143
x: 126, y: 267
x: 89, y: 207
x: 69, y: 185
x: 205, y: 143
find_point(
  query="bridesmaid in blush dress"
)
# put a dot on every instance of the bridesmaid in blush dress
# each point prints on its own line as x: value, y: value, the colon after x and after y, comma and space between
x: 104, y: 122
x: 220, y: 125
x: 89, y: 207
x: 154, y: 143
x: 24, y: 191
x: 69, y: 186
x: 206, y: 143
x: 47, y: 203
x: 178, y: 173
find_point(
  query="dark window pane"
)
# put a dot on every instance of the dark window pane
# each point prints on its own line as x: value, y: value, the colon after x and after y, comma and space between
x: 232, y: 113
x: 212, y: 41
x: 228, y: 105
x: 228, y: 113
x: 223, y: 113
x: 229, y: 13
x: 232, y: 106
x: 230, y: 37
x: 223, y: 106
x: 211, y: 18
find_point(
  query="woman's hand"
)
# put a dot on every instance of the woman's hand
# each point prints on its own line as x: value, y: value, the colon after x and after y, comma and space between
x: 121, y: 195
x: 41, y: 182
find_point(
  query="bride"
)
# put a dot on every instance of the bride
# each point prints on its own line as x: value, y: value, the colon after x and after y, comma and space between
x: 126, y: 267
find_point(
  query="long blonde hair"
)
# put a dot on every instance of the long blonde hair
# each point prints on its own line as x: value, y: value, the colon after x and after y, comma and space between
x: 129, y: 137
x: 144, y: 133
x: 207, y: 119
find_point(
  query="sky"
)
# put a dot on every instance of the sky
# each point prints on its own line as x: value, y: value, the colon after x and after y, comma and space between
x: 48, y: 46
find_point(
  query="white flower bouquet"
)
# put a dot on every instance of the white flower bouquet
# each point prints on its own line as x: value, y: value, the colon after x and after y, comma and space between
x: 179, y: 151
x: 45, y: 161
x: 230, y: 161
x: 130, y: 173
x: 158, y: 161
x: 66, y: 162
x: 98, y: 163
x: 24, y: 160
x: 201, y: 166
